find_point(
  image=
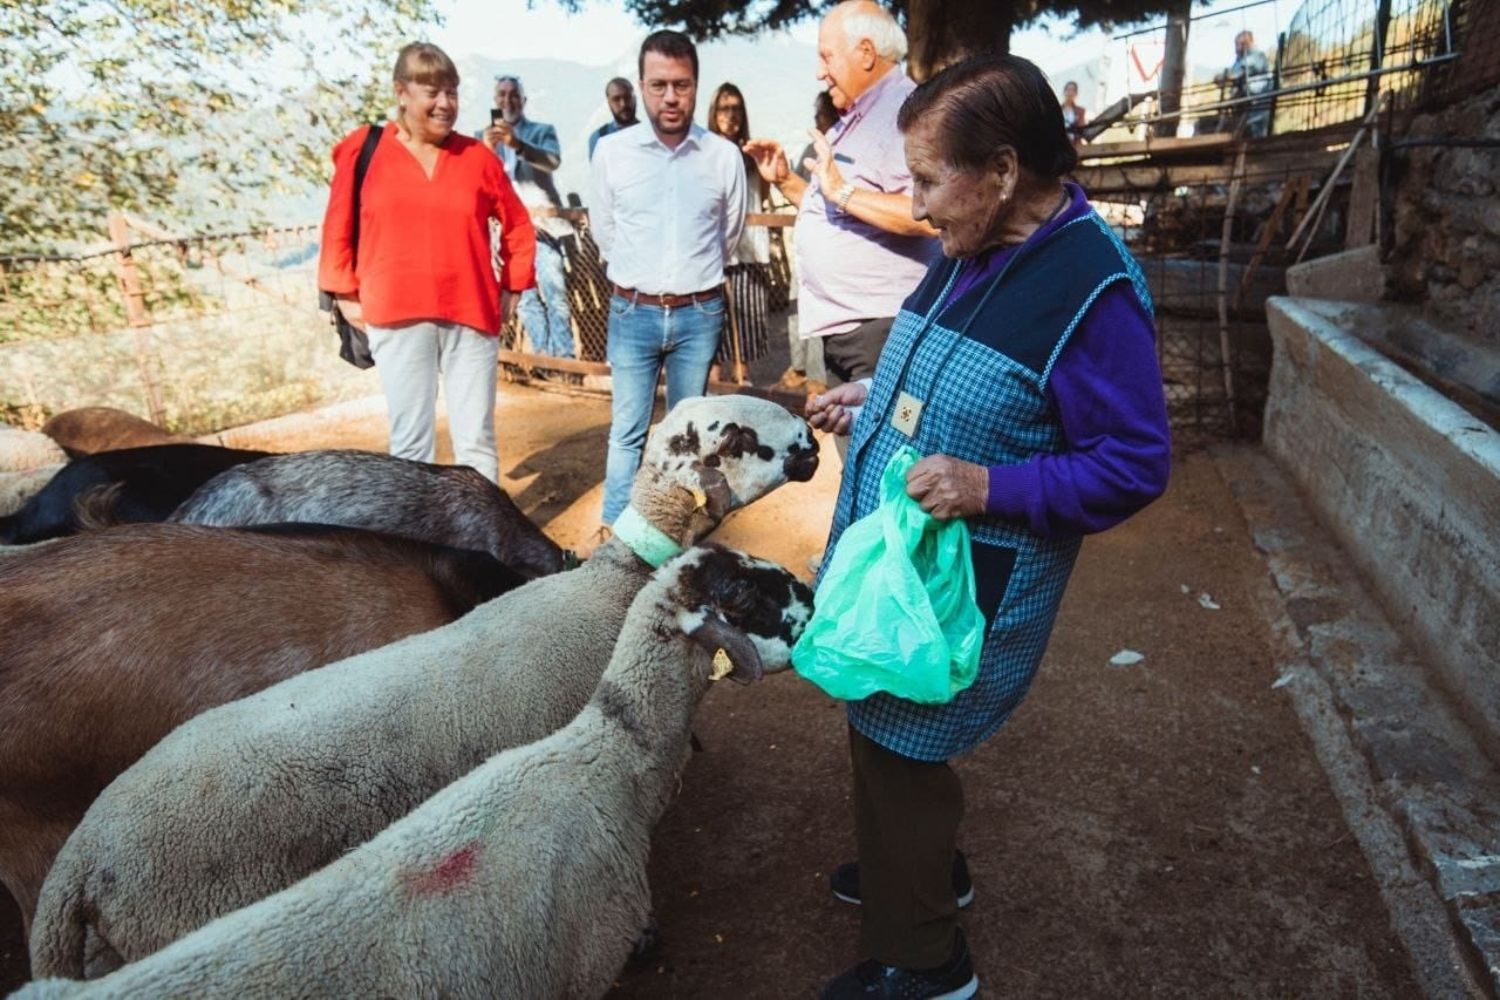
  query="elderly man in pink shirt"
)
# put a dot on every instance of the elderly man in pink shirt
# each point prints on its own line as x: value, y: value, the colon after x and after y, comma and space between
x: 859, y: 252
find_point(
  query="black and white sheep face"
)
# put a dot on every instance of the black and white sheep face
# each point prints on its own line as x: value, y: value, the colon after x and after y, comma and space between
x: 752, y: 608
x: 744, y: 445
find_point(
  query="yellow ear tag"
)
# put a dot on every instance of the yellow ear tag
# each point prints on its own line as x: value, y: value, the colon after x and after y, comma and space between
x: 723, y: 666
x: 700, y: 498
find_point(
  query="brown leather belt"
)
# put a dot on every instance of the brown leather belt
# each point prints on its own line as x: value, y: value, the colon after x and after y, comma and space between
x: 668, y: 301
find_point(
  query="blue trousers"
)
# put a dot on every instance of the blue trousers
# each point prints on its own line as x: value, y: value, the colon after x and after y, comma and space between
x: 642, y: 339
x: 544, y: 309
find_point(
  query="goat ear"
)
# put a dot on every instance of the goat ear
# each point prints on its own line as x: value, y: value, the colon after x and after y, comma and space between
x: 716, y: 634
x: 715, y: 497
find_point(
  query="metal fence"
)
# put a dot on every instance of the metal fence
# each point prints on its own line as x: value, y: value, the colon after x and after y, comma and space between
x: 1329, y: 66
x: 756, y: 301
x: 1213, y: 248
x: 194, y: 332
x: 202, y: 332
x: 199, y: 333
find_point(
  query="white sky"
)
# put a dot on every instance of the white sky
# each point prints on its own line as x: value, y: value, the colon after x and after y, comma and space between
x: 602, y: 31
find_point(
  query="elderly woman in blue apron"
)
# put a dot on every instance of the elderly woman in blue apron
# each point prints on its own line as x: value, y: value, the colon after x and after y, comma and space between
x: 1023, y: 368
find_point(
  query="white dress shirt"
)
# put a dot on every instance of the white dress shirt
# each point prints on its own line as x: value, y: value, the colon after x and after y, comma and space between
x: 666, y: 220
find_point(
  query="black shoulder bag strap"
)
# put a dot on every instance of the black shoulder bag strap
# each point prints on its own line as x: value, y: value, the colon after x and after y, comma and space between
x: 361, y: 168
x: 354, y: 344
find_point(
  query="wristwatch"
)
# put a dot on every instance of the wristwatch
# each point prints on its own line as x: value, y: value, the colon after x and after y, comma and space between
x: 842, y: 195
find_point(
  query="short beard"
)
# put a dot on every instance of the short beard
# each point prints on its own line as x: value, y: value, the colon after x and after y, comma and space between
x: 687, y: 125
x: 505, y: 116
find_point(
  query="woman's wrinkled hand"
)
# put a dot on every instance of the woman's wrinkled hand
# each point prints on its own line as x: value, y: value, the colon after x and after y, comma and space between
x: 351, y: 310
x: 948, y: 487
x: 831, y: 410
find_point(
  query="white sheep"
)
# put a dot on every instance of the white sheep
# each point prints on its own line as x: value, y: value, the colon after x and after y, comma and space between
x: 527, y: 877
x: 245, y: 799
x: 22, y: 451
x: 18, y: 487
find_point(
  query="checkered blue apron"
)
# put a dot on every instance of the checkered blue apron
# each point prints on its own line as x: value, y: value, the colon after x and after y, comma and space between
x: 983, y: 405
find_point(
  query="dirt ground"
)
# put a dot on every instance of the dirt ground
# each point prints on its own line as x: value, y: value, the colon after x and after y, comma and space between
x: 1157, y: 830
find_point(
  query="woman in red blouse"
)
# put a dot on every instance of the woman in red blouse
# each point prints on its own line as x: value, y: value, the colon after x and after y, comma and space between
x: 423, y: 284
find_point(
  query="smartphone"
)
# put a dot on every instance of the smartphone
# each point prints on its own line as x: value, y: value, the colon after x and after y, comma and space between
x: 496, y: 116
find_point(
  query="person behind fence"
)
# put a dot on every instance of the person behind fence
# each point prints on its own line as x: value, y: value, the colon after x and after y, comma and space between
x: 749, y: 283
x: 1248, y: 75
x: 667, y: 206
x: 620, y: 96
x: 530, y: 151
x: 1074, y: 116
x: 423, y: 285
x: 858, y: 247
x: 1023, y: 368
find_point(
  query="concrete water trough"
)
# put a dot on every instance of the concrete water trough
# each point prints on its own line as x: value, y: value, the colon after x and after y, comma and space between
x: 1406, y: 479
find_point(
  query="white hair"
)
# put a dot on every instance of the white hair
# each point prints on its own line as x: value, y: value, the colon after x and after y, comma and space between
x: 865, y: 20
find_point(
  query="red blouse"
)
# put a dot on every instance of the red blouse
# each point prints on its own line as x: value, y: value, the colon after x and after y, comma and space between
x: 424, y: 244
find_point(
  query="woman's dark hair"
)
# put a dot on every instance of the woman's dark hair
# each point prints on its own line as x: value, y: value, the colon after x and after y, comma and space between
x: 981, y: 104
x: 730, y: 90
x: 673, y: 45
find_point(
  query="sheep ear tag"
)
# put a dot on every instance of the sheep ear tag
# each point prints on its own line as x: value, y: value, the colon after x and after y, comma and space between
x: 723, y: 665
x: 700, y: 500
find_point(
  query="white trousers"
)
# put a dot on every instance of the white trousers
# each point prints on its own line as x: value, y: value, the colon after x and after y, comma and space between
x: 408, y: 359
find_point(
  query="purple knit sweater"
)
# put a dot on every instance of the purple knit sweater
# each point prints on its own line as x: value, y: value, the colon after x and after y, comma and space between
x: 1106, y: 386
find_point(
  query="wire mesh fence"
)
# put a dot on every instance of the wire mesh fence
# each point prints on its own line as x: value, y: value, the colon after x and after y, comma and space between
x: 1213, y: 252
x: 760, y: 293
x: 195, y: 333
x: 1329, y: 66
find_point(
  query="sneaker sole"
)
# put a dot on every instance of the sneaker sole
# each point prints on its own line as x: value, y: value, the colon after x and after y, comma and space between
x: 962, y: 993
x: 963, y: 901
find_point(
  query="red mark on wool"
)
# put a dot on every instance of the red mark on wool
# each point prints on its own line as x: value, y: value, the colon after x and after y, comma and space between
x: 455, y: 870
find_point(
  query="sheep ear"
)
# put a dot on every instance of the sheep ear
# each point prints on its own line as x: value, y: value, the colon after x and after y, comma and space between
x: 713, y: 493
x: 716, y: 634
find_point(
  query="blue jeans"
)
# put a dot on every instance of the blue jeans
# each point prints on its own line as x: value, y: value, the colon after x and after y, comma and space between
x: 544, y: 309
x: 641, y: 339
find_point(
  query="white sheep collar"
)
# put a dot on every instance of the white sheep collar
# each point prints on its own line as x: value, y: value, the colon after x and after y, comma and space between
x: 645, y: 539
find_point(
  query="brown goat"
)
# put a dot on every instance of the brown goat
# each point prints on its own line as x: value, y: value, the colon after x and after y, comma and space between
x: 91, y: 429
x: 110, y: 640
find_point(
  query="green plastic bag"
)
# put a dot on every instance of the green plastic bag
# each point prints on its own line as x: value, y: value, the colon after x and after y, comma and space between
x: 895, y: 610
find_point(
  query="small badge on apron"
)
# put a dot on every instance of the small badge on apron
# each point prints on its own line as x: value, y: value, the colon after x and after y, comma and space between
x: 908, y: 411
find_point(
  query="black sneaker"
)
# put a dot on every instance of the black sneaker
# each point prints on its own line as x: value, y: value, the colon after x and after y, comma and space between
x: 845, y: 881
x: 869, y: 980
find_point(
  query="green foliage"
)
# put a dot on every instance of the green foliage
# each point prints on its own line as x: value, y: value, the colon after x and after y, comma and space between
x: 63, y: 298
x: 131, y: 104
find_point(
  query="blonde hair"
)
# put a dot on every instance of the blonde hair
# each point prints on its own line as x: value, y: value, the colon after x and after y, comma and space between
x: 426, y: 64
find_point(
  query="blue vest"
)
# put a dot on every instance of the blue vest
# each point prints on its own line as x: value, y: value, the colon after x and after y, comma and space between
x: 980, y: 367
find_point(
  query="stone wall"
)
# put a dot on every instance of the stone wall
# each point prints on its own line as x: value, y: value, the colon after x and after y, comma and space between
x: 1406, y: 481
x: 1446, y: 252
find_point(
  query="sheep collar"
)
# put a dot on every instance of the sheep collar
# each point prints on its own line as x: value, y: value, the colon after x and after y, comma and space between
x: 645, y: 539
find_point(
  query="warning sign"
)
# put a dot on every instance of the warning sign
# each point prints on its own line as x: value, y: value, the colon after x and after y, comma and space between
x: 1144, y: 65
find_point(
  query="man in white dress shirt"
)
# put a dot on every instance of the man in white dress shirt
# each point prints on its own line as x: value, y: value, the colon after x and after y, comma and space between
x: 667, y: 206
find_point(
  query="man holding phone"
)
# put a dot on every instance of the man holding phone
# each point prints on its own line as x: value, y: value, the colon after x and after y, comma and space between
x: 530, y: 152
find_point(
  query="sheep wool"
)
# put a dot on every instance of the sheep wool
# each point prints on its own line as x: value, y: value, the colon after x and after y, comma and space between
x: 527, y: 877
x: 247, y: 798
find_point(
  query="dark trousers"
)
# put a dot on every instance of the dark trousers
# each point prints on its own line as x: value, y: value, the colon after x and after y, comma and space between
x: 853, y: 355
x: 906, y: 816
